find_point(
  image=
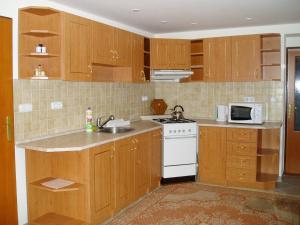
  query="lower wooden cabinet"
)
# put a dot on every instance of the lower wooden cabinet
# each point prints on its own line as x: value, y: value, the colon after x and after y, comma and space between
x: 212, y: 155
x: 107, y: 179
x: 124, y: 171
x: 155, y: 162
x: 102, y: 189
x: 239, y: 156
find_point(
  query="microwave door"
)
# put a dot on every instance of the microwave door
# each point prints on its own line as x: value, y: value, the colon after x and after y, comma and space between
x: 241, y: 113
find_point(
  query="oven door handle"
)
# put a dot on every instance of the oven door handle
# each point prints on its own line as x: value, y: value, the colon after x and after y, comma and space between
x: 181, y: 137
x: 252, y: 113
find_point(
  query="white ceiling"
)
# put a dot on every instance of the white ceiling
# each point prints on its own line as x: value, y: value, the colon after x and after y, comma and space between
x: 208, y: 14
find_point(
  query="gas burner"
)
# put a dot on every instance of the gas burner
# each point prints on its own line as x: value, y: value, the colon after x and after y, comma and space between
x: 169, y: 120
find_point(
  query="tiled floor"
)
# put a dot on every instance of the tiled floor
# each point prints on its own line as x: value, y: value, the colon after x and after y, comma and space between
x: 289, y: 185
x: 198, y: 204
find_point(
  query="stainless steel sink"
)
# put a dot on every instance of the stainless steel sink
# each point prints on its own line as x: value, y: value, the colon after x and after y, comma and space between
x: 115, y: 130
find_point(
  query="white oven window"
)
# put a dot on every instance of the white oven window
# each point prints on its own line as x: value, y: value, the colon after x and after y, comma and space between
x: 179, y: 150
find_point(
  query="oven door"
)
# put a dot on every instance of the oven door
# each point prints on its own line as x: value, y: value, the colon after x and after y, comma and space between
x: 179, y: 150
x: 241, y: 114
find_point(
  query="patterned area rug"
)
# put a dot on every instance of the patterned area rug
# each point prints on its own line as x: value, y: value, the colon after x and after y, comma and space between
x: 198, y: 204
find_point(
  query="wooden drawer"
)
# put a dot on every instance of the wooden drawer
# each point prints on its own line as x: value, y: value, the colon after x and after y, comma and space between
x: 241, y: 148
x: 242, y: 135
x: 243, y: 162
x: 241, y: 175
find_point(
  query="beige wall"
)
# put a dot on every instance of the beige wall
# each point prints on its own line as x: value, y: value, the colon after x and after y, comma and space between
x: 122, y: 100
x: 200, y: 99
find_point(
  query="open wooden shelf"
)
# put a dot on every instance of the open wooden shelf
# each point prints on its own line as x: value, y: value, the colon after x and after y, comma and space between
x: 40, y: 11
x: 270, y: 50
x: 196, y: 53
x: 196, y: 66
x: 41, y: 55
x: 274, y: 64
x: 40, y: 33
x: 55, y: 219
x: 265, y: 177
x: 267, y: 152
x: 38, y: 184
x: 146, y: 52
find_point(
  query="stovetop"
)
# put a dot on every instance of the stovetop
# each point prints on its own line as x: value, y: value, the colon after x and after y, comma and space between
x: 169, y: 120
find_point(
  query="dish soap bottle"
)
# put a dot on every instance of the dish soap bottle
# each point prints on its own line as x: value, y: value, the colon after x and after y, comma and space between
x: 89, y: 120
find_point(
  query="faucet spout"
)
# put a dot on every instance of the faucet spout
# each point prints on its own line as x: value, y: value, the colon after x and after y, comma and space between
x: 100, y: 126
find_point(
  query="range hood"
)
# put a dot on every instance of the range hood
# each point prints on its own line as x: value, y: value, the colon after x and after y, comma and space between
x: 169, y: 75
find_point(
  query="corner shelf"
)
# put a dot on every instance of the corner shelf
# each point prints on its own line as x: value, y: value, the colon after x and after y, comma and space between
x: 196, y: 61
x: 40, y: 33
x: 53, y: 219
x: 267, y: 152
x: 270, y: 56
x: 41, y: 55
x: 38, y: 184
x: 147, y: 58
x: 196, y: 66
x: 40, y: 11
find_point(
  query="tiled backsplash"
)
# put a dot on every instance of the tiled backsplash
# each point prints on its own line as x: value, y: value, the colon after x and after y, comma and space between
x: 122, y: 100
x: 200, y: 99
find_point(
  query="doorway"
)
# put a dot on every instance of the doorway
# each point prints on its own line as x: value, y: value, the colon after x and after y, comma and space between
x: 292, y: 152
x: 8, y: 202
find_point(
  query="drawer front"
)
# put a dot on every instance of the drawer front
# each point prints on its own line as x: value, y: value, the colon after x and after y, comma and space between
x: 243, y: 162
x: 242, y: 134
x: 241, y: 148
x: 241, y: 175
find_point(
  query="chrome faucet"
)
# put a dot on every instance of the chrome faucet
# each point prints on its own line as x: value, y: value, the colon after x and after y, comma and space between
x: 100, y: 126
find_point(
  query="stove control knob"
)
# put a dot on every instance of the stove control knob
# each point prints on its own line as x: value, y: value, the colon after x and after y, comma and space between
x: 170, y: 131
x: 183, y: 131
x: 175, y: 131
x: 190, y: 130
x: 179, y: 131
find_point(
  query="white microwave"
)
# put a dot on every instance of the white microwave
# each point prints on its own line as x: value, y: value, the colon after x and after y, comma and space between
x: 246, y: 112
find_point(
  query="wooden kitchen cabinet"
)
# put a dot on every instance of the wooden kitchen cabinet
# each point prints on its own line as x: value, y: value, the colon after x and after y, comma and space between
x: 138, y: 74
x: 124, y: 170
x: 246, y: 58
x: 217, y: 60
x: 141, y: 164
x: 212, y: 155
x: 170, y: 54
x: 155, y: 159
x: 77, y: 48
x: 102, y: 189
x: 241, y: 157
x: 111, y: 46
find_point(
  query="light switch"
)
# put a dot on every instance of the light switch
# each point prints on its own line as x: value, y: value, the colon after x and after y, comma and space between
x: 56, y: 105
x: 144, y: 98
x: 27, y: 107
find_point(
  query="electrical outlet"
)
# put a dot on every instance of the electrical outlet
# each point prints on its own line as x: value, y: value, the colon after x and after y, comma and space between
x: 56, y: 105
x: 144, y: 98
x: 249, y: 99
x: 25, y: 107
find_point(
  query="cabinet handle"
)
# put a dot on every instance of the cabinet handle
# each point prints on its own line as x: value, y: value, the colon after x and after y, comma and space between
x: 143, y: 76
x: 8, y: 129
x: 91, y: 68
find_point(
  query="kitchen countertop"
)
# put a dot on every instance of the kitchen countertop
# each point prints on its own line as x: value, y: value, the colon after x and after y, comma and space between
x: 213, y: 123
x: 82, y: 140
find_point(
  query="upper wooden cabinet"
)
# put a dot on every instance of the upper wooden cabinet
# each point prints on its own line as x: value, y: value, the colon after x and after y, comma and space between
x: 137, y: 60
x: 77, y: 48
x: 111, y: 46
x: 170, y: 54
x: 246, y: 58
x: 217, y: 60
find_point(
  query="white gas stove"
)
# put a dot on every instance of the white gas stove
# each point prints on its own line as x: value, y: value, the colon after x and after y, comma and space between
x: 180, y: 147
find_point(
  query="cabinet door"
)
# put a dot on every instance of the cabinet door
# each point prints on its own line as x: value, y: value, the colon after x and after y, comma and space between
x: 246, y: 58
x: 217, y: 60
x: 77, y: 48
x: 138, y: 74
x: 103, y: 44
x: 159, y: 54
x: 179, y: 54
x: 212, y: 155
x: 155, y: 161
x: 141, y: 170
x: 124, y: 159
x: 123, y: 47
x: 102, y: 182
